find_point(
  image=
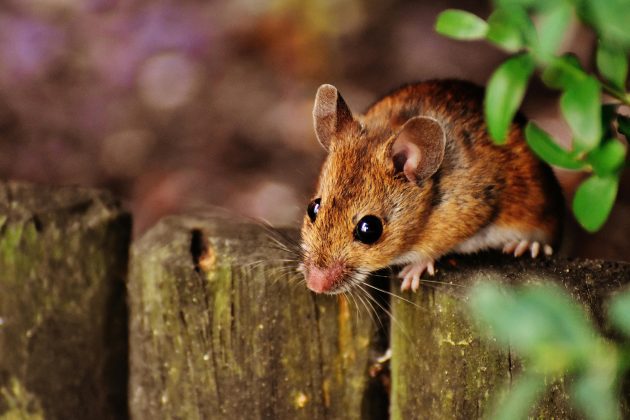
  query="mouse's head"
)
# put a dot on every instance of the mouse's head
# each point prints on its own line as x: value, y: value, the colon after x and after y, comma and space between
x: 371, y: 196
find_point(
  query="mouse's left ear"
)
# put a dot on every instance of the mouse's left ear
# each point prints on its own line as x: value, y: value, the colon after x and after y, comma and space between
x: 331, y: 115
x: 418, y: 149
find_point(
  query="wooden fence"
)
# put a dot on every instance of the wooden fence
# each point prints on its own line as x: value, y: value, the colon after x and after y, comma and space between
x: 217, y: 324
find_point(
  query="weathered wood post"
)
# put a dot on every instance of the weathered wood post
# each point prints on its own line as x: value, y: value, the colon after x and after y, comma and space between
x: 219, y: 329
x: 442, y: 368
x: 63, y: 326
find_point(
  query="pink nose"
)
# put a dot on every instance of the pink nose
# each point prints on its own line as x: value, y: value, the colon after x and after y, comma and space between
x: 323, y: 280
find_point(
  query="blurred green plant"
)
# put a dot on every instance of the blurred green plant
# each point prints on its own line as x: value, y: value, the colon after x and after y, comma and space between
x: 534, y: 30
x: 554, y: 337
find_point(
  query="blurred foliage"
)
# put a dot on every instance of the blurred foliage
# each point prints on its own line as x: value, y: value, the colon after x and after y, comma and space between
x: 179, y: 105
x: 534, y: 30
x: 170, y: 105
x: 555, y: 338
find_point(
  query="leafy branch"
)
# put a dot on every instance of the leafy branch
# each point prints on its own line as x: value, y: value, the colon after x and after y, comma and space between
x: 533, y: 30
x: 555, y: 338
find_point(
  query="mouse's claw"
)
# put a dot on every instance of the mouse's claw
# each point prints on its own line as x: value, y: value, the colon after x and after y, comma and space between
x: 411, y: 274
x: 534, y: 249
x: 521, y: 248
x: 518, y: 248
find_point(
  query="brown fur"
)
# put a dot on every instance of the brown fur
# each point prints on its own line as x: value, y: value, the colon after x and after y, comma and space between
x: 477, y: 184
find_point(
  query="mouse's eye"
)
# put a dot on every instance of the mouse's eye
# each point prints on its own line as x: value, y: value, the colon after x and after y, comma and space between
x: 368, y: 230
x: 313, y: 209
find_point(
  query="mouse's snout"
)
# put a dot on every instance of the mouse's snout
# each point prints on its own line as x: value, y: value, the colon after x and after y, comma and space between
x: 324, y: 280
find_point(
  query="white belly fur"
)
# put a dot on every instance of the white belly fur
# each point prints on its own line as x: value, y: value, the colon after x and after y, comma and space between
x: 493, y: 237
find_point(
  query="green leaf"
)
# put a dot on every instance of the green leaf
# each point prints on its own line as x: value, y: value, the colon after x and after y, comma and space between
x: 594, y: 200
x: 538, y: 5
x: 552, y: 27
x: 460, y: 24
x: 596, y: 393
x: 540, y: 322
x: 608, y: 157
x: 546, y: 148
x: 612, y: 64
x: 563, y: 72
x: 504, y: 94
x: 520, y: 399
x: 510, y: 28
x: 609, y: 18
x: 563, y: 328
x: 624, y: 125
x: 619, y: 311
x: 580, y: 105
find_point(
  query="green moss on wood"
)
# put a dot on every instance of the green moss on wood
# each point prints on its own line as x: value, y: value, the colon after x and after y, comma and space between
x: 443, y: 368
x: 239, y: 337
x: 62, y: 336
x: 19, y: 403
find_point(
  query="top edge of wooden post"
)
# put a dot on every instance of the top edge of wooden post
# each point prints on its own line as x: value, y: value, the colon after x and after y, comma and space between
x: 20, y: 200
x: 211, y: 224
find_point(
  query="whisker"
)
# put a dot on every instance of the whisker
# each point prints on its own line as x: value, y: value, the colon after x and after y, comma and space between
x: 350, y: 296
x: 424, y: 280
x: 391, y: 316
x: 372, y: 301
x: 374, y: 316
x: 442, y: 282
x: 387, y: 292
x: 367, y: 309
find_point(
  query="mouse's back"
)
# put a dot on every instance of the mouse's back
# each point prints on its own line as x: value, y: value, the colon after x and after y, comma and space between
x: 415, y: 177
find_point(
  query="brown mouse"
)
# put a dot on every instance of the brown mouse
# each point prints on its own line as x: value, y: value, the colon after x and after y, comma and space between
x: 416, y: 177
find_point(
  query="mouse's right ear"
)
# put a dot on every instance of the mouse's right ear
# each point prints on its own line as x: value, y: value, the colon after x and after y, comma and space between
x: 330, y: 114
x: 418, y: 148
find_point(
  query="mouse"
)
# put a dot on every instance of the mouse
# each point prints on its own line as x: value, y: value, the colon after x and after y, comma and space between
x: 416, y: 177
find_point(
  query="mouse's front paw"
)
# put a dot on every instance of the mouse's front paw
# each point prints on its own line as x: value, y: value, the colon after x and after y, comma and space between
x: 518, y: 248
x: 411, y: 274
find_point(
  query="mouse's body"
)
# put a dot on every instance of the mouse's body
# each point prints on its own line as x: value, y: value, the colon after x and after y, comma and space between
x: 416, y: 177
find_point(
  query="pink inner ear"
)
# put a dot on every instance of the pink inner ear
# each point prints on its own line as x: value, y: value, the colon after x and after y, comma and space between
x: 421, y: 144
x: 406, y: 156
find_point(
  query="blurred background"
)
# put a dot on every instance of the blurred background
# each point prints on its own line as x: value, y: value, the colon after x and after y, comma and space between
x: 174, y: 105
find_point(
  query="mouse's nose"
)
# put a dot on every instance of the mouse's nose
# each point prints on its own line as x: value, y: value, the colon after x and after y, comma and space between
x: 323, y: 280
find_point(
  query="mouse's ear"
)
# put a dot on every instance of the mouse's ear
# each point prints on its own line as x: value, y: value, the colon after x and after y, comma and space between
x: 418, y: 149
x: 330, y: 114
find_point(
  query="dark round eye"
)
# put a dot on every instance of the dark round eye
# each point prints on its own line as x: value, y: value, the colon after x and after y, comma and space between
x: 368, y: 230
x: 313, y: 209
